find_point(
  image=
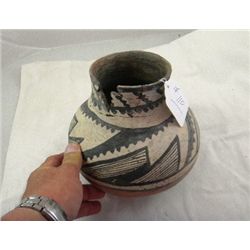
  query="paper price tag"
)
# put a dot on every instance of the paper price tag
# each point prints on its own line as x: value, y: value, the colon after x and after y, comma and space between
x: 176, y: 102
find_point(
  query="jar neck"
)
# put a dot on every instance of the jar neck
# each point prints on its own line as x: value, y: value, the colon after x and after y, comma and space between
x: 130, y: 101
x: 135, y: 109
x: 129, y: 83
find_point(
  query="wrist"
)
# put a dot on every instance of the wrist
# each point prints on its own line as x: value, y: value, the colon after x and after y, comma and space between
x: 47, y: 207
x: 24, y: 214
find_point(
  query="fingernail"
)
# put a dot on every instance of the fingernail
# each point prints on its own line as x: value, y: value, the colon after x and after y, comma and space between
x: 72, y: 147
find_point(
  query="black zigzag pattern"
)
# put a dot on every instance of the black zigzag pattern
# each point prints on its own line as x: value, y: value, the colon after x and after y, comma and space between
x: 125, y: 137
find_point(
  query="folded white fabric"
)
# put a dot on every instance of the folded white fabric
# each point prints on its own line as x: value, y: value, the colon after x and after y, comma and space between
x: 50, y: 94
x: 213, y: 69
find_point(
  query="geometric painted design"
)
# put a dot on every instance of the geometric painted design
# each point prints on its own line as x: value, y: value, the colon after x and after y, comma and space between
x: 94, y: 118
x: 165, y: 166
x: 73, y: 124
x: 117, y: 170
x: 73, y: 139
x: 135, y: 167
x: 124, y: 138
x: 193, y: 137
x: 128, y: 109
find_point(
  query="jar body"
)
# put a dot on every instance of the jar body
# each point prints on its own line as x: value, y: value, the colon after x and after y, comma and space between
x: 131, y: 143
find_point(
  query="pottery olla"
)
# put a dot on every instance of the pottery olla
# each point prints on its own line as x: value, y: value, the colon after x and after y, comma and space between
x: 131, y: 143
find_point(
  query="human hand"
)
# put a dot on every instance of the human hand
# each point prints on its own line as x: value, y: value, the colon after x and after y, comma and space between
x: 58, y: 179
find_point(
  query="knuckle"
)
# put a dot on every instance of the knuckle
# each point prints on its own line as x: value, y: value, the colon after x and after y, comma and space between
x: 49, y: 158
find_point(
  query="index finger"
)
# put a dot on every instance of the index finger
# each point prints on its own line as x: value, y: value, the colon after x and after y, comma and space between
x: 72, y: 156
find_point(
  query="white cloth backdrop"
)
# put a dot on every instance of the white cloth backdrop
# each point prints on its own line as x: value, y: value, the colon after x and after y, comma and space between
x: 213, y: 69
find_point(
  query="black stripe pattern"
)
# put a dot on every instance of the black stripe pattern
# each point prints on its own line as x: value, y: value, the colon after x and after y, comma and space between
x: 135, y: 168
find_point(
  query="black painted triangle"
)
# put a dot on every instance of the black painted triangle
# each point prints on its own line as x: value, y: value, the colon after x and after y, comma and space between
x: 76, y: 139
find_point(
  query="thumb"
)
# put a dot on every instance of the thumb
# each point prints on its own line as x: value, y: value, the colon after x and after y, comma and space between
x: 73, y: 156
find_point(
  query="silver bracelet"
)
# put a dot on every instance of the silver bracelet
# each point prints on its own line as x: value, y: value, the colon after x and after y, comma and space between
x: 47, y: 207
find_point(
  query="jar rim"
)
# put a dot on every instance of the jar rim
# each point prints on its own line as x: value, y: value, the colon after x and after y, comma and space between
x: 111, y: 63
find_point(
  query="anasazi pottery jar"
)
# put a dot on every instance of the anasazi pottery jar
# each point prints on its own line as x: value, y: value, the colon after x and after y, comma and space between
x: 131, y: 143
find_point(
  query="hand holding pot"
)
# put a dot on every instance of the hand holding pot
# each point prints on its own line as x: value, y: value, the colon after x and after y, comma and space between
x: 58, y: 179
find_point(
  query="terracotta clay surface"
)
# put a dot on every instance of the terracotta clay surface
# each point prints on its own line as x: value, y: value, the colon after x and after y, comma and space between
x: 131, y: 142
